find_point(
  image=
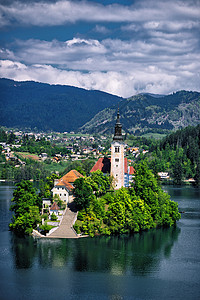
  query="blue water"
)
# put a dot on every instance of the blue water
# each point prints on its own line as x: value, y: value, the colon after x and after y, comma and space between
x: 158, y: 264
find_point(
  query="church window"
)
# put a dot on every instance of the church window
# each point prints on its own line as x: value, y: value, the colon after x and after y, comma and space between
x: 116, y: 149
x: 116, y: 159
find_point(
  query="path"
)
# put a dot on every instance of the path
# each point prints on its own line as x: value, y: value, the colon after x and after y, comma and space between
x: 64, y: 230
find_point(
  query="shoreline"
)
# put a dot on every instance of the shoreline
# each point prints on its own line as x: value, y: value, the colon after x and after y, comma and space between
x: 37, y: 234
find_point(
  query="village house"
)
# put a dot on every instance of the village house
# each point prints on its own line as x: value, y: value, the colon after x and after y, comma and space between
x: 54, y: 209
x: 163, y: 175
x: 63, y: 187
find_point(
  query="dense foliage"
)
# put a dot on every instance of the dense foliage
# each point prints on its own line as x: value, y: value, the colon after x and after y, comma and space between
x: 32, y: 170
x: 82, y: 166
x: 49, y: 107
x: 27, y: 203
x: 26, y: 206
x: 178, y: 154
x: 86, y: 188
x: 141, y: 207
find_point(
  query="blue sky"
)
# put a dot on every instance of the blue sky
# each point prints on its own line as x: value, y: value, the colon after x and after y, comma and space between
x: 120, y: 47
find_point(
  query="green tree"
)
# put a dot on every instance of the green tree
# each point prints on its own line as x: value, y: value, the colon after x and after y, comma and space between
x: 11, y: 138
x: 56, y: 198
x: 47, y: 185
x: 83, y: 193
x: 146, y: 187
x: 25, y: 207
x: 101, y: 182
x: 197, y: 175
x: 3, y: 136
x: 177, y: 172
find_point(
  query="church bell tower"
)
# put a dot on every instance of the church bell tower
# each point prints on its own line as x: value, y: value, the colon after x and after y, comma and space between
x: 117, y: 155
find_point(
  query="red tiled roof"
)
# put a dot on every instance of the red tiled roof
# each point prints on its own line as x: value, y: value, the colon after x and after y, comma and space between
x: 69, y: 178
x: 103, y: 164
x: 125, y: 165
x: 132, y: 170
x: 54, y: 206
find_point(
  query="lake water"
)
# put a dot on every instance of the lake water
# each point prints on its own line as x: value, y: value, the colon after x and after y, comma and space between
x: 158, y: 264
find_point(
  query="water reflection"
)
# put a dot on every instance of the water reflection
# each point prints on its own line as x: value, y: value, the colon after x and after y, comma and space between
x: 24, y: 250
x: 139, y: 254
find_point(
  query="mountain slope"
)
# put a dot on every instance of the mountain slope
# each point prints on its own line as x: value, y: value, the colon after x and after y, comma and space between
x: 147, y: 112
x: 49, y: 107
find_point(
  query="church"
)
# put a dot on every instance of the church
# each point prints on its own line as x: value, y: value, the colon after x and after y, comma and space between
x: 117, y: 165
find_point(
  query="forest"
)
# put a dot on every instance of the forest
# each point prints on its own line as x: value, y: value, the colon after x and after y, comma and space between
x: 49, y: 107
x: 141, y: 207
x: 178, y: 154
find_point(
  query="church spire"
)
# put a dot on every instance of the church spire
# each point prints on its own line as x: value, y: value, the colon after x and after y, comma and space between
x: 118, y: 129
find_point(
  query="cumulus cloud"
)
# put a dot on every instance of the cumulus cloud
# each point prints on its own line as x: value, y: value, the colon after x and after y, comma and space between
x: 110, y: 54
x: 151, y: 79
x: 150, y: 46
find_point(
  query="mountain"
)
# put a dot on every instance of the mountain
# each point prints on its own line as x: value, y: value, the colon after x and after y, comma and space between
x: 147, y: 113
x: 65, y: 108
x: 49, y: 107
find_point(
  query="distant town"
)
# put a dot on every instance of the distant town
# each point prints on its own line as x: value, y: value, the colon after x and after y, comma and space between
x: 77, y: 146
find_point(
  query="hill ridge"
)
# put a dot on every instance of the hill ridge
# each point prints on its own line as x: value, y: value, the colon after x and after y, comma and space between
x: 144, y: 113
x: 49, y: 107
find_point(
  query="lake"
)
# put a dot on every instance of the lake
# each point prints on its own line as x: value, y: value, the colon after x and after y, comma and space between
x: 158, y: 264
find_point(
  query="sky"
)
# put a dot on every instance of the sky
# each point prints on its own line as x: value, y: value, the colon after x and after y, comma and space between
x: 120, y: 47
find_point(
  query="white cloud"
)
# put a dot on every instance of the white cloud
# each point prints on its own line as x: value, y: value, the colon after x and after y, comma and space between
x: 154, y: 48
x: 171, y: 25
x: 61, y: 12
x: 101, y: 29
x: 109, y: 54
x: 151, y: 79
x: 53, y: 52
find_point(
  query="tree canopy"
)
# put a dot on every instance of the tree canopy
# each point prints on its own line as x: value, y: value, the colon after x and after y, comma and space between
x: 143, y: 206
x: 25, y: 206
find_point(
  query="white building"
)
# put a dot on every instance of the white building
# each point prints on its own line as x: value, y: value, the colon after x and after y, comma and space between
x: 63, y: 187
x: 117, y: 155
x: 117, y: 166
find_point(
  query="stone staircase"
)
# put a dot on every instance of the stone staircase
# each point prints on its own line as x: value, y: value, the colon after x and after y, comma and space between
x: 65, y: 229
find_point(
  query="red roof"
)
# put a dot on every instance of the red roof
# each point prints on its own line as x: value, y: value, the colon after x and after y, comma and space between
x: 125, y: 165
x: 132, y: 170
x: 103, y: 164
x: 54, y: 206
x: 68, y: 179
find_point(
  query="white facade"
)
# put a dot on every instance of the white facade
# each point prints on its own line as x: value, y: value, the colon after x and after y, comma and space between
x: 62, y: 192
x: 117, y: 163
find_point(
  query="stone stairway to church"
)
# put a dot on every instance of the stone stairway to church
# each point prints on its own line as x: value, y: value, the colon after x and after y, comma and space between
x: 65, y: 229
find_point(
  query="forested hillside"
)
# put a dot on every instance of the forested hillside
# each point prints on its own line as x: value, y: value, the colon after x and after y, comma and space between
x: 150, y: 113
x: 178, y: 154
x: 49, y: 107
